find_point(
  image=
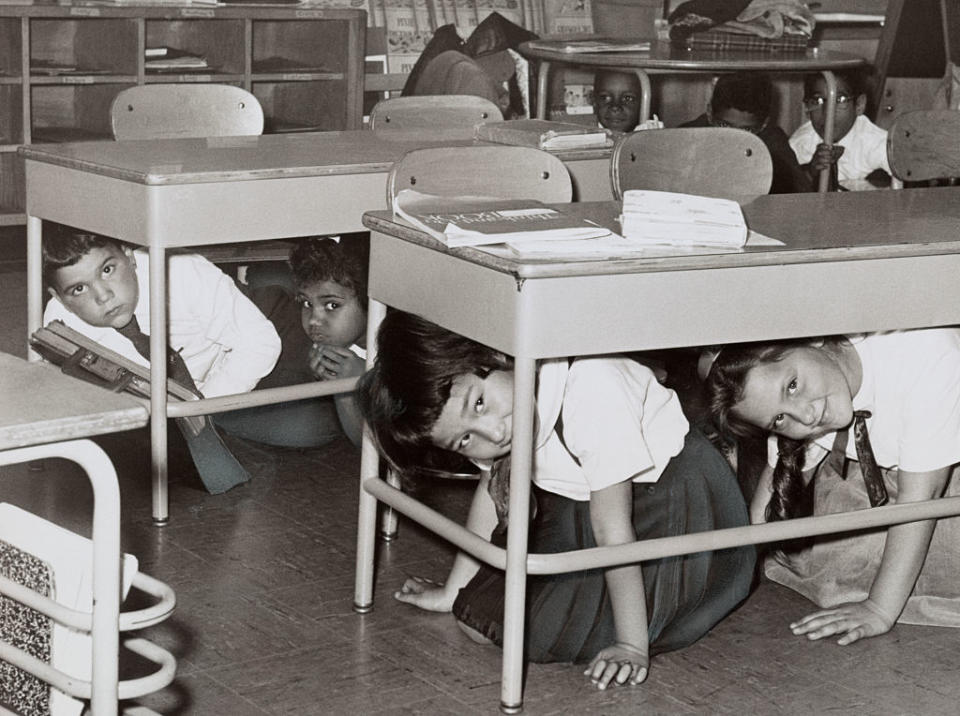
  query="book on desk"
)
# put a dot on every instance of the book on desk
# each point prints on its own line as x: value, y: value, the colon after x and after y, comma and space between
x: 477, y: 221
x: 543, y: 134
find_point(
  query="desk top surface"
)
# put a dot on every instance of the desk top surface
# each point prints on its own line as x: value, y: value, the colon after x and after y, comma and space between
x: 269, y: 156
x: 38, y: 404
x: 663, y: 56
x: 837, y: 226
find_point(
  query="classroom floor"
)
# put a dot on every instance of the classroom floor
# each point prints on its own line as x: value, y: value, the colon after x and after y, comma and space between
x: 264, y: 625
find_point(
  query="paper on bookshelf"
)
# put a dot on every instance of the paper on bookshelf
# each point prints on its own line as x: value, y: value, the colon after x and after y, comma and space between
x: 172, y: 61
x: 674, y: 219
x: 543, y: 134
x: 477, y: 220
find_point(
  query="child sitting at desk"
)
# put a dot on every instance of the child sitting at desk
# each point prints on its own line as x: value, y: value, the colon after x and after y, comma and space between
x: 859, y: 151
x: 615, y: 461
x: 616, y: 100
x: 802, y: 393
x: 323, y: 329
x: 221, y: 344
x: 742, y: 100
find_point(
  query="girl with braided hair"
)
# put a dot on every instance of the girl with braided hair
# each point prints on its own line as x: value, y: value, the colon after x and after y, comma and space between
x: 905, y: 386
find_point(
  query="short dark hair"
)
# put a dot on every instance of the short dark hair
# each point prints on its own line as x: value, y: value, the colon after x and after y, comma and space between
x: 65, y: 245
x: 853, y: 80
x: 745, y: 91
x: 602, y: 74
x: 320, y: 258
x: 402, y: 395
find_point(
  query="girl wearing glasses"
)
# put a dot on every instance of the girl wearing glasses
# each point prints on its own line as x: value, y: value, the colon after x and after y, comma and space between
x: 859, y: 146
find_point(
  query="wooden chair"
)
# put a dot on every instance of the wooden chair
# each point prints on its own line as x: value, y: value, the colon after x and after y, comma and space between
x: 434, y: 112
x: 924, y: 145
x: 177, y: 111
x: 710, y: 161
x: 167, y: 111
x: 482, y: 170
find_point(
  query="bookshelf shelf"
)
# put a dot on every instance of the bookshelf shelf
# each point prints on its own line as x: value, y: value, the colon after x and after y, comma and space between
x: 61, y: 65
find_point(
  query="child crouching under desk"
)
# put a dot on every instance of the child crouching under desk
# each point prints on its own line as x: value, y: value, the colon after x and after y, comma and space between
x: 615, y: 462
x: 318, y: 305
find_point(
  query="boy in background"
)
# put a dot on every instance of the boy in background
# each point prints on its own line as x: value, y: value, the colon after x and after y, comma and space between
x: 859, y: 151
x: 742, y: 100
x: 322, y: 327
x: 616, y: 100
x: 221, y: 343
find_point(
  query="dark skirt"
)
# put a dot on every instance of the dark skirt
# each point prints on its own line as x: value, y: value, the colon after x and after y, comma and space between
x: 568, y: 616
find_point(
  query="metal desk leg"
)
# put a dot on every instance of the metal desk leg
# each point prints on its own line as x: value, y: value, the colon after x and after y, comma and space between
x: 105, y: 620
x: 158, y: 381
x: 511, y: 685
x: 388, y: 521
x: 829, y: 119
x: 645, y: 95
x: 369, y: 470
x: 543, y: 88
x: 34, y: 281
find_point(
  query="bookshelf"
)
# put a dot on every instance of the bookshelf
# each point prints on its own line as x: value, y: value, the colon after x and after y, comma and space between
x: 62, y: 63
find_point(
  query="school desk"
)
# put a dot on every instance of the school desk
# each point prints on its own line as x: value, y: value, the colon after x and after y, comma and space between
x: 45, y: 414
x: 664, y: 58
x: 851, y: 262
x: 188, y: 192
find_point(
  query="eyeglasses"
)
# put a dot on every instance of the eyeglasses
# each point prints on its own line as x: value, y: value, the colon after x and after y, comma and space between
x: 627, y: 100
x: 817, y: 102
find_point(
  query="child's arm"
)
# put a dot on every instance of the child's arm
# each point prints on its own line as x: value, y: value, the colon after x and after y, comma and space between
x: 330, y: 363
x: 903, y: 557
x: 481, y: 520
x: 761, y: 496
x: 627, y: 660
x: 825, y: 156
x: 248, y: 341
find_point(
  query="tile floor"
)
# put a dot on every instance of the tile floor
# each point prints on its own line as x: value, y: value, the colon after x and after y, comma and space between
x: 264, y: 581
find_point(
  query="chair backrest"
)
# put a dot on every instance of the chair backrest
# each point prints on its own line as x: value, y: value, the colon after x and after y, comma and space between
x: 163, y: 111
x: 710, y: 161
x: 446, y: 111
x: 924, y: 145
x: 502, y: 171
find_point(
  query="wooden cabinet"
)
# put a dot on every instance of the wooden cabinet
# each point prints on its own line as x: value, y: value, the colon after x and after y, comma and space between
x: 62, y: 64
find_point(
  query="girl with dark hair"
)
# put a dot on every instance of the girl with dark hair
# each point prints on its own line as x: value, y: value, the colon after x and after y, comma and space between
x: 615, y: 461
x: 905, y: 388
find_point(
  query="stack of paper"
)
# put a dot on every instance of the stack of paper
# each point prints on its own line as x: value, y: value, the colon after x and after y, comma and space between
x: 594, y: 44
x: 166, y: 59
x: 476, y: 221
x: 668, y: 218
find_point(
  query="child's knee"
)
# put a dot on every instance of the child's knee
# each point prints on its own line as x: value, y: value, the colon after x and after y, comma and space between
x: 473, y: 634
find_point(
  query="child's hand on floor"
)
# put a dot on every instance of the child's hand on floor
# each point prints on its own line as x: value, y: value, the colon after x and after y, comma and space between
x: 620, y: 663
x: 853, y: 621
x: 426, y: 594
x: 332, y: 362
x: 826, y: 155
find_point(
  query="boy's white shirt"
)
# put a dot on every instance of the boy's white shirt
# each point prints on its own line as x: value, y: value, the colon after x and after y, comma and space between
x: 865, y: 148
x: 911, y: 385
x: 617, y: 418
x: 226, y: 342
